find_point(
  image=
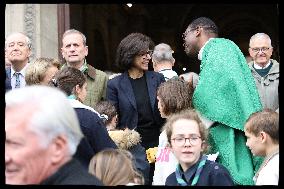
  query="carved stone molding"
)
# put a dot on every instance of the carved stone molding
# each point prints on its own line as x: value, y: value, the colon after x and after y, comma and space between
x: 30, y: 26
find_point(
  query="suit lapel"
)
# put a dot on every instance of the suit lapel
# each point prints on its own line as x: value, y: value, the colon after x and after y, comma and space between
x: 151, y: 88
x: 127, y: 89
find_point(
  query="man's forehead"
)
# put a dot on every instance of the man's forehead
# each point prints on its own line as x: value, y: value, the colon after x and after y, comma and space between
x: 17, y: 37
x: 73, y: 37
x: 20, y: 111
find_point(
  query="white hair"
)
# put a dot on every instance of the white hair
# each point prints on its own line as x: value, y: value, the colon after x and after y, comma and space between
x: 260, y: 36
x: 53, y: 114
x: 163, y: 52
x: 28, y: 41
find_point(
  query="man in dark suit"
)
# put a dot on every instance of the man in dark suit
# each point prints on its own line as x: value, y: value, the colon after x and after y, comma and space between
x: 17, y: 52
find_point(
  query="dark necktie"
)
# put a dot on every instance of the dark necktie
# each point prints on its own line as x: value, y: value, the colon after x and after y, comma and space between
x: 18, y: 82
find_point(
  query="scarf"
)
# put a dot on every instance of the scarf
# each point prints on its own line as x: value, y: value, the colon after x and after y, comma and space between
x: 201, y: 164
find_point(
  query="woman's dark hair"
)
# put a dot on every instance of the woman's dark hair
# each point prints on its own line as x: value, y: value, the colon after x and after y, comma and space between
x: 67, y: 78
x: 132, y: 45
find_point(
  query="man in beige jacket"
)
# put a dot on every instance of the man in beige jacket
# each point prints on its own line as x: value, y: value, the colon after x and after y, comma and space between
x: 264, y: 70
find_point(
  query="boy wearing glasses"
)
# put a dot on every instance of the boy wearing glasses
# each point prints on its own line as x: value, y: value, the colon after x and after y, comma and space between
x: 187, y: 138
x: 264, y: 70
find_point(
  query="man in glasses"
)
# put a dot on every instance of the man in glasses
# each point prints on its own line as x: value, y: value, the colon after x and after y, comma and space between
x: 225, y: 96
x: 264, y: 70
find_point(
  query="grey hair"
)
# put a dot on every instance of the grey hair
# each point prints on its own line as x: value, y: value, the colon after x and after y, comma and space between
x: 72, y: 31
x: 28, y: 40
x: 163, y: 52
x: 259, y: 35
x: 53, y: 115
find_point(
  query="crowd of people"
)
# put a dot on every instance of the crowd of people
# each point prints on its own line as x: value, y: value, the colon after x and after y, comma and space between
x: 70, y: 123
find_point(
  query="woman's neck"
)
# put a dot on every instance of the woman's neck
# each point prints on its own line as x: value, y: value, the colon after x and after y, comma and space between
x: 135, y: 73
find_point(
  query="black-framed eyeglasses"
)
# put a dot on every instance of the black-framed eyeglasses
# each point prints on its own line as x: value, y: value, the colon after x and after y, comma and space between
x: 187, y: 31
x: 263, y: 49
x: 149, y: 52
x: 180, y: 141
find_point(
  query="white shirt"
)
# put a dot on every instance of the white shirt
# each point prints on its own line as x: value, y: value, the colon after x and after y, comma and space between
x: 21, y: 76
x: 256, y: 66
x: 202, y: 48
x: 165, y: 163
x: 269, y: 174
x: 168, y: 73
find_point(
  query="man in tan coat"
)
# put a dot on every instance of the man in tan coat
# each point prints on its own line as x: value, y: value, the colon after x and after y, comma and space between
x: 74, y: 51
x: 264, y: 70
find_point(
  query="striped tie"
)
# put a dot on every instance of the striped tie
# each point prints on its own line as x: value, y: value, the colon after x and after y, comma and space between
x: 18, y: 83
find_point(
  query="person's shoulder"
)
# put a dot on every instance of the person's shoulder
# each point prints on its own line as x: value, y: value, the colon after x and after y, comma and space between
x: 171, y: 180
x: 155, y: 74
x: 86, y: 114
x: 215, y: 166
x: 274, y: 62
x: 100, y: 72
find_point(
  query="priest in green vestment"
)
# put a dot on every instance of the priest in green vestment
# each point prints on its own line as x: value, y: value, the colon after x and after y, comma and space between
x: 225, y: 96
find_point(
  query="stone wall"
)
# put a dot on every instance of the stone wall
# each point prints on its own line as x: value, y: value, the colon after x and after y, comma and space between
x: 38, y: 22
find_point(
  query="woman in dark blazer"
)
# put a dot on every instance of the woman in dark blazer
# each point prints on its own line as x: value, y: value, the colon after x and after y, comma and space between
x: 134, y: 91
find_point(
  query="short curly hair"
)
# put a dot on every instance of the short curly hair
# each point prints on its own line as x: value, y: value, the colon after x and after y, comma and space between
x: 132, y: 45
x: 206, y: 23
x: 176, y: 95
x: 107, y: 108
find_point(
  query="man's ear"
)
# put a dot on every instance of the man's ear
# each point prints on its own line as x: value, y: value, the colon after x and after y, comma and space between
x: 173, y: 62
x: 250, y: 52
x: 59, y: 147
x: 86, y: 50
x: 198, y: 31
x: 77, y: 89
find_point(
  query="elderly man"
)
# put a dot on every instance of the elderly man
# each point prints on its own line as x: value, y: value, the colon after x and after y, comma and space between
x: 41, y: 139
x: 17, y: 52
x: 163, y: 61
x: 264, y: 70
x: 74, y: 51
x: 225, y: 96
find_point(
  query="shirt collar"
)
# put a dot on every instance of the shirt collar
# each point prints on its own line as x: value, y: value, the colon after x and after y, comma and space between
x: 202, y: 48
x: 256, y: 66
x: 189, y: 173
x: 22, y: 72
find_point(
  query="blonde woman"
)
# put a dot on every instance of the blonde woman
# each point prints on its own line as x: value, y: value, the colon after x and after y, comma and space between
x: 113, y: 167
x: 41, y: 71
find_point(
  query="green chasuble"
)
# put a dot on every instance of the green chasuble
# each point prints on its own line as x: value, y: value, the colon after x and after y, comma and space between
x: 226, y: 94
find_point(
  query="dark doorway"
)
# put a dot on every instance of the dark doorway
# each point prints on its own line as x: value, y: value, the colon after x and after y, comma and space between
x: 106, y: 24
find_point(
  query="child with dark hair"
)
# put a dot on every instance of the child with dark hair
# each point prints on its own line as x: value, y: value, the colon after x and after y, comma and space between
x: 173, y: 96
x: 73, y: 82
x: 125, y: 139
x: 262, y: 132
x: 108, y: 112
